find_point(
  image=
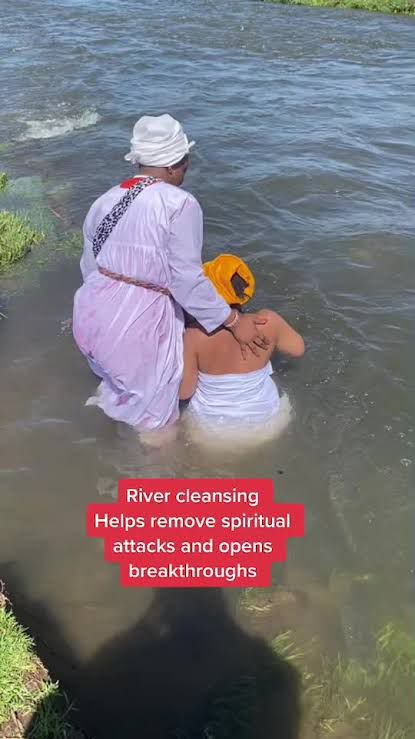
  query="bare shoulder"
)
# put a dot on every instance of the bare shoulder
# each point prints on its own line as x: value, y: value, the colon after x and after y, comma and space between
x: 278, y: 330
x: 270, y: 314
x: 193, y: 337
x: 273, y: 321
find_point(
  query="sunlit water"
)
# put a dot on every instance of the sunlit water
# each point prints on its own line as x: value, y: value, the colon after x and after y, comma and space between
x: 304, y: 165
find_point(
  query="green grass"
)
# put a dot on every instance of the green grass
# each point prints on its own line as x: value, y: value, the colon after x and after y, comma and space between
x: 26, y: 218
x: 370, y: 701
x: 50, y: 721
x: 16, y: 238
x: 3, y: 181
x: 377, y: 6
x: 16, y: 664
x: 255, y: 599
x: 25, y: 687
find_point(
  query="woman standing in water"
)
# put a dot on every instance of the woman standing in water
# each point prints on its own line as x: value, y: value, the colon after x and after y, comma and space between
x: 141, y: 266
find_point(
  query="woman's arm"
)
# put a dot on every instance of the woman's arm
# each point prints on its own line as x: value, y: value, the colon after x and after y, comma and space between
x: 286, y: 340
x: 193, y: 291
x: 88, y: 262
x: 188, y: 285
x: 190, y: 369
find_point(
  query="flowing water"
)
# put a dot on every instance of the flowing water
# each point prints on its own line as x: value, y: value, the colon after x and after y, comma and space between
x: 304, y: 165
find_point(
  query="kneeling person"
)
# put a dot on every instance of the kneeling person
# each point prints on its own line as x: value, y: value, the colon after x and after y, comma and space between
x: 224, y: 387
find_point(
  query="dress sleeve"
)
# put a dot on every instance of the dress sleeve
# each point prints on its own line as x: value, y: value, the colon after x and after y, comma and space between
x: 88, y: 262
x: 189, y: 286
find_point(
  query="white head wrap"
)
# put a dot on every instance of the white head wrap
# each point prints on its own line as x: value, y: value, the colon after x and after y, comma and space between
x: 158, y: 141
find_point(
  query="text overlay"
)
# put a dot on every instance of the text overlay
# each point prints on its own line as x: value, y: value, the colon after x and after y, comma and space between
x: 195, y: 533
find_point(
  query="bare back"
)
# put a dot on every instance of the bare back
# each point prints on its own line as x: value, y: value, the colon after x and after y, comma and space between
x: 220, y: 353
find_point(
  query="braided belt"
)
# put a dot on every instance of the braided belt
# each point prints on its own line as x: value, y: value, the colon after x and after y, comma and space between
x: 131, y: 281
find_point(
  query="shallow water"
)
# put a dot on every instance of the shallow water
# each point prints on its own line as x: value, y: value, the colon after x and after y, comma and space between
x: 304, y: 165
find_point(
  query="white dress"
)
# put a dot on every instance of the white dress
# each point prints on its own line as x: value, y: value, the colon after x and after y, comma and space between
x: 132, y: 337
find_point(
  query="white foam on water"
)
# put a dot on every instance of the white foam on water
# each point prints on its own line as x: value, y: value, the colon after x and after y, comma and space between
x: 96, y: 398
x: 52, y: 127
x: 238, y: 438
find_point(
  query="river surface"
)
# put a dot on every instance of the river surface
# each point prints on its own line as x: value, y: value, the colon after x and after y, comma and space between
x: 304, y: 165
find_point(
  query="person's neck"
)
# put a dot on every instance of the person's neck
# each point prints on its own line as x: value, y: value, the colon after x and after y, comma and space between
x: 158, y: 172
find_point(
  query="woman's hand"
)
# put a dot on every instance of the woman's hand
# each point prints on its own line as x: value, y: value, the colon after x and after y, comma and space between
x: 247, y: 333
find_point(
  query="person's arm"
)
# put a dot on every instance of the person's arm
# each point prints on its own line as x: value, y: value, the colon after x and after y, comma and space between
x: 190, y: 368
x: 88, y: 262
x: 193, y: 291
x: 188, y: 285
x: 286, y: 340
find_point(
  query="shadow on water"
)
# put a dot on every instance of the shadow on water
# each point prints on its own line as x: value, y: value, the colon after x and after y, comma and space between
x: 185, y: 670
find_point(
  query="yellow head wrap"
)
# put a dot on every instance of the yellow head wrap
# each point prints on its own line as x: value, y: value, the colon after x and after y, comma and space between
x: 220, y: 272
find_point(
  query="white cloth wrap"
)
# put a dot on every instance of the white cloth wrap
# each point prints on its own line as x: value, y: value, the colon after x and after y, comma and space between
x: 235, y: 399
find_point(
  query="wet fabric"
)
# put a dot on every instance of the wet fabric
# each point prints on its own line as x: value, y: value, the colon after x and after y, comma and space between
x: 133, y: 337
x: 235, y: 399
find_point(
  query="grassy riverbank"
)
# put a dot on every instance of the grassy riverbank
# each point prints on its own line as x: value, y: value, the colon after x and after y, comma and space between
x: 406, y: 7
x: 31, y: 705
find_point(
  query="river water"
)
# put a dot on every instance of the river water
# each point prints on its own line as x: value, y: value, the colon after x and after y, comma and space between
x: 304, y: 165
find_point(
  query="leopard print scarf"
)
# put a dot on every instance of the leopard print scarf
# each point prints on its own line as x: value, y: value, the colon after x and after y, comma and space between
x: 108, y: 223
